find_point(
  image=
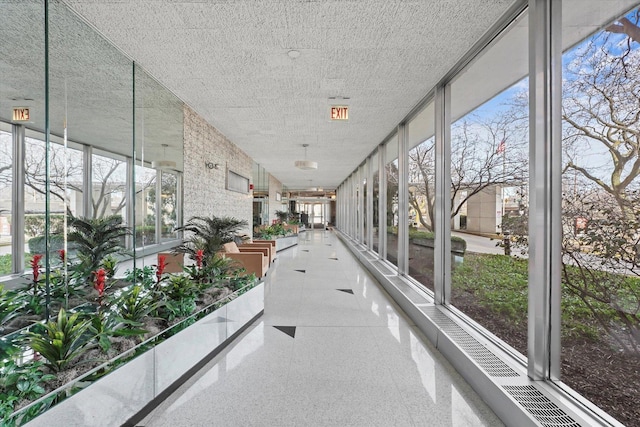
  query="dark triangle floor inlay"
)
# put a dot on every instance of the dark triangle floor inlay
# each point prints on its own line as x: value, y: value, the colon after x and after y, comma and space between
x: 289, y: 330
x: 218, y: 319
x: 301, y: 271
x: 348, y: 291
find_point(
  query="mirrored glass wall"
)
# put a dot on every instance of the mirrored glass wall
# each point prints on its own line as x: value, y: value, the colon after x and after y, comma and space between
x: 90, y: 141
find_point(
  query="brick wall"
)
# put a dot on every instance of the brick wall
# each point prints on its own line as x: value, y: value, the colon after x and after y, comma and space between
x: 205, y: 192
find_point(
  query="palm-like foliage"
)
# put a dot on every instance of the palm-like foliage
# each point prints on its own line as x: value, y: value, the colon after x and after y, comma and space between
x: 62, y: 340
x: 10, y: 306
x: 208, y: 234
x: 95, y: 238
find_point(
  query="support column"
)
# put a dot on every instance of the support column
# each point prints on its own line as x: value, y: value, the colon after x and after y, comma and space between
x: 87, y: 181
x: 17, y: 199
x: 442, y: 226
x: 403, y: 201
x: 370, y: 224
x: 382, y: 202
x: 545, y: 183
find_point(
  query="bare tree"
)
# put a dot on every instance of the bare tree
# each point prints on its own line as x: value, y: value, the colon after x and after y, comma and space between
x: 600, y: 107
x: 485, y: 151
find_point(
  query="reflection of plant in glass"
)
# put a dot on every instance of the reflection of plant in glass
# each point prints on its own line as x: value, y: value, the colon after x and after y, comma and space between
x: 109, y: 264
x: 62, y: 340
x: 95, y: 239
x: 35, y: 272
x: 162, y: 264
x: 10, y: 306
x: 99, y: 281
x: 208, y: 234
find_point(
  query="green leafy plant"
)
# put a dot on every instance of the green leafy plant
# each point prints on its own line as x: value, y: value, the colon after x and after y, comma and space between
x: 62, y: 340
x: 104, y: 326
x: 23, y: 381
x: 179, y: 286
x: 10, y: 305
x: 208, y: 234
x: 144, y: 276
x: 95, y: 239
x: 109, y: 264
x: 174, y: 309
x: 135, y: 303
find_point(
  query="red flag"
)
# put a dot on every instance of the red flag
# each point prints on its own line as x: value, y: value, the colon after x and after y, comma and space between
x: 501, y: 147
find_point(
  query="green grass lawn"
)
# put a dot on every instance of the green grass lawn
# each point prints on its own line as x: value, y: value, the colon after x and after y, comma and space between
x: 500, y: 283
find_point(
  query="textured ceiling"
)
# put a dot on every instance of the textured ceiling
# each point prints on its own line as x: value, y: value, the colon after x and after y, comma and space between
x: 228, y: 60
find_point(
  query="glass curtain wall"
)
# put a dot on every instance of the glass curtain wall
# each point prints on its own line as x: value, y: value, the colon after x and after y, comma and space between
x: 375, y: 173
x: 421, y: 196
x: 21, y: 88
x: 489, y: 169
x: 392, y: 218
x: 601, y: 204
x: 6, y: 197
x: 83, y: 168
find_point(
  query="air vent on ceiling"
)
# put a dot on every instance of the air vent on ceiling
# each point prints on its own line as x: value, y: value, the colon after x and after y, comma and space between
x: 488, y: 361
x: 538, y: 405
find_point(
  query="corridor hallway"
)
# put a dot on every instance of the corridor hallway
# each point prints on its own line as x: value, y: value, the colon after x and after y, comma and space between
x: 331, y: 349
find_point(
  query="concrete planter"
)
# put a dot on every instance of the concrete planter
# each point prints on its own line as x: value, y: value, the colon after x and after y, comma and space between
x: 286, y: 242
x: 115, y: 398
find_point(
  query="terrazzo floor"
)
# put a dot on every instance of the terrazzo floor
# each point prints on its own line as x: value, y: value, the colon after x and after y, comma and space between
x: 332, y: 349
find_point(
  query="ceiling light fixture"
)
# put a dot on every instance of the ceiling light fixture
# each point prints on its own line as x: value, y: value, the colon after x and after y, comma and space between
x: 306, y: 164
x: 293, y: 54
x: 163, y: 164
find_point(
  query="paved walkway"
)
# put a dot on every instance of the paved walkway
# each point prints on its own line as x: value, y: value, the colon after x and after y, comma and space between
x: 332, y: 349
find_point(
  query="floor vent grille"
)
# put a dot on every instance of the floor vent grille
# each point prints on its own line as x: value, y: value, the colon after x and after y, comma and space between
x: 478, y: 352
x: 538, y: 405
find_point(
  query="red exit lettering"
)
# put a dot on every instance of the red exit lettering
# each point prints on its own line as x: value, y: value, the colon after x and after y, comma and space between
x: 20, y: 114
x: 339, y: 113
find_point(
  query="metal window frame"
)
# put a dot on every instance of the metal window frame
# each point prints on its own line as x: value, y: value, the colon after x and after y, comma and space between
x: 370, y: 202
x: 382, y: 201
x: 18, y: 199
x: 403, y: 199
x: 545, y: 183
x: 442, y: 226
x: 360, y: 193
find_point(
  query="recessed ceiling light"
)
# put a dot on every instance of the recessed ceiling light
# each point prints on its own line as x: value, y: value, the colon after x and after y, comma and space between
x: 293, y: 54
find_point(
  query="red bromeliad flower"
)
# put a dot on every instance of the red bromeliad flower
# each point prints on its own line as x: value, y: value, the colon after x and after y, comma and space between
x: 62, y: 254
x: 199, y: 256
x: 35, y: 267
x: 100, y: 277
x: 162, y: 264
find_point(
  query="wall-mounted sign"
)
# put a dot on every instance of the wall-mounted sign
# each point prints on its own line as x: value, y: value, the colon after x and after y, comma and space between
x: 339, y: 112
x: 21, y: 114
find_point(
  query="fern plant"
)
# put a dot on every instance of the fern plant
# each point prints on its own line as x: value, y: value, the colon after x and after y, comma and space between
x: 62, y: 340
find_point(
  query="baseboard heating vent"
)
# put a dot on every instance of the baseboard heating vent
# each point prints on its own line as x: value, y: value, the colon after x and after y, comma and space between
x: 537, y: 404
x: 491, y: 363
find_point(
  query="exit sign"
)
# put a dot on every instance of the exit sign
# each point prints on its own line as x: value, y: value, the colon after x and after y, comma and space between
x: 20, y: 114
x: 339, y: 112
